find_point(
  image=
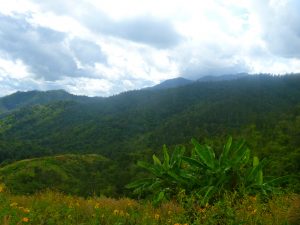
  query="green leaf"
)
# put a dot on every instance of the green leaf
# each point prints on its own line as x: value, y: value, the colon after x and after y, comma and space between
x: 255, y: 174
x: 242, y: 157
x: 194, y: 163
x: 166, y: 163
x: 177, y: 178
x: 208, y: 194
x: 159, y: 198
x: 255, y: 161
x: 241, y: 154
x: 259, y: 174
x: 176, y: 156
x: 205, y: 153
x: 224, y: 155
x: 151, y: 168
x: 139, y: 183
x: 156, y: 160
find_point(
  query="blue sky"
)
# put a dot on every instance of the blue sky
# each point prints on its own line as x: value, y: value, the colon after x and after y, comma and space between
x: 104, y: 47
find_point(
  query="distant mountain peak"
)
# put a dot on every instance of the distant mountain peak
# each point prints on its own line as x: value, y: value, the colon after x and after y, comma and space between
x: 26, y: 98
x: 172, y: 83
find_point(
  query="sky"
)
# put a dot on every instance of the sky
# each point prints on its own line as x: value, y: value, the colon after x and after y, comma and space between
x: 104, y: 47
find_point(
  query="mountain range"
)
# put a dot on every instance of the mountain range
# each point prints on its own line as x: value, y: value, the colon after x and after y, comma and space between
x: 21, y: 99
x: 263, y: 109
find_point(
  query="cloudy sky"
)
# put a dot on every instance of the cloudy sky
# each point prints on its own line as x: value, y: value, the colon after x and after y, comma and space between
x: 104, y: 47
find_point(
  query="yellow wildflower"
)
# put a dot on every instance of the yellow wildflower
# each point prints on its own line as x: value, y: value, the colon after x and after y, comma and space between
x: 25, y: 219
x: 97, y: 206
x: 202, y: 210
x: 254, y: 211
x: 1, y: 188
x: 121, y: 213
x: 14, y: 204
x: 116, y: 212
x: 156, y: 216
x: 176, y: 223
x: 25, y: 210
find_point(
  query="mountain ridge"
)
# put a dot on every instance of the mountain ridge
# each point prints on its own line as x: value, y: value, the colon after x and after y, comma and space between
x: 21, y: 99
x: 131, y: 126
x: 171, y: 83
x: 143, y: 111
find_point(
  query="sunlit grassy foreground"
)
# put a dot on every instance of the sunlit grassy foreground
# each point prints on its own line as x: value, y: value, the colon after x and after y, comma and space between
x: 56, y: 208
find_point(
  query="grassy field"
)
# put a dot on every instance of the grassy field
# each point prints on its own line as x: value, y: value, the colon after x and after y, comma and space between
x: 54, y: 208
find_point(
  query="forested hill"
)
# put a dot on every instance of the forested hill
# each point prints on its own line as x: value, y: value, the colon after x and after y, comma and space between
x: 265, y: 110
x: 29, y: 98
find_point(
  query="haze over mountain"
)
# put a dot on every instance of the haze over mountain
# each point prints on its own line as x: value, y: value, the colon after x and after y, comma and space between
x: 20, y: 99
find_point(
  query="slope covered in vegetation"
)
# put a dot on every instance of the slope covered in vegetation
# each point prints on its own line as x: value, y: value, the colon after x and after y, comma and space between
x: 83, y: 175
x: 264, y: 110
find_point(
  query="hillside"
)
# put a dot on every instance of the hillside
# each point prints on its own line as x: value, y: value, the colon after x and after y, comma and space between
x: 83, y: 175
x: 30, y: 98
x: 264, y: 110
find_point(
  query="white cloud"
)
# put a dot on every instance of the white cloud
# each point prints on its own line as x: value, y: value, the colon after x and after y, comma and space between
x: 61, y: 23
x: 86, y: 86
x: 13, y: 69
x: 99, y: 47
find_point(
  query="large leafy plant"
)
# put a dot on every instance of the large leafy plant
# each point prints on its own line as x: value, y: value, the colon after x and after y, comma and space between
x: 203, y: 174
x: 167, y: 176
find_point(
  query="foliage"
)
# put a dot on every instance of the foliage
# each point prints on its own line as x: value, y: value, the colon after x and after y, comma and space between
x: 264, y: 110
x: 205, y: 175
x: 168, y: 176
x: 83, y: 175
x: 52, y: 208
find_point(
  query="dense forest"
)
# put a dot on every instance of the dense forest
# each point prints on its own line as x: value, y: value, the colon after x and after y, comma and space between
x: 262, y: 109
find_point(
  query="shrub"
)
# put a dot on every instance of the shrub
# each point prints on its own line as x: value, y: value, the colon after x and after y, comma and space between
x: 203, y: 174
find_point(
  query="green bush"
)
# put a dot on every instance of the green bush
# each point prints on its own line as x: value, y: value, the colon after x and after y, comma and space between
x: 204, y: 175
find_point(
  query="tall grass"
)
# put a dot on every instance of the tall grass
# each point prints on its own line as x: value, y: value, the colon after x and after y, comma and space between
x: 52, y: 208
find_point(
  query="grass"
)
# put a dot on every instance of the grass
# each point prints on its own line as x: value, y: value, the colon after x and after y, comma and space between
x: 53, y: 208
x: 82, y: 175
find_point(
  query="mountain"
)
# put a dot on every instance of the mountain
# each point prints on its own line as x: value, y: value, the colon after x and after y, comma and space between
x: 180, y: 81
x: 22, y: 99
x: 265, y: 110
x: 83, y: 175
x: 29, y: 98
x: 172, y: 83
x: 223, y: 77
